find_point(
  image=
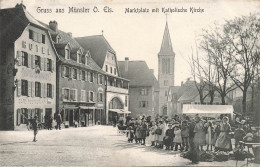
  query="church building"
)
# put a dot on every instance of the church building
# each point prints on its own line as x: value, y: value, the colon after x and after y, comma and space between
x: 166, y: 64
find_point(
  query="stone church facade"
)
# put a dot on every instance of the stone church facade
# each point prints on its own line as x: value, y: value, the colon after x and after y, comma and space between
x: 166, y: 64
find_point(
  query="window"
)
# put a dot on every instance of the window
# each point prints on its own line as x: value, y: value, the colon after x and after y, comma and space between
x: 66, y: 94
x: 126, y: 100
x: 24, y: 88
x: 106, y: 68
x: 111, y: 70
x: 73, y: 94
x: 49, y: 65
x: 37, y: 61
x: 74, y: 73
x: 100, y: 97
x: 67, y: 72
x: 144, y: 92
x: 115, y: 71
x: 91, y: 77
x: 67, y: 54
x: 49, y: 90
x: 37, y: 89
x: 143, y: 104
x: 100, y: 79
x: 166, y: 65
x: 166, y: 93
x: 36, y: 48
x: 91, y: 96
x: 165, y: 82
x: 83, y: 96
x: 43, y: 50
x: 24, y: 59
x: 83, y: 75
x: 43, y: 39
x: 30, y: 34
x: 79, y: 58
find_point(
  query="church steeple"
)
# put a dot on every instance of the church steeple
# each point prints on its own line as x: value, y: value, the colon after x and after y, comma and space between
x: 166, y: 47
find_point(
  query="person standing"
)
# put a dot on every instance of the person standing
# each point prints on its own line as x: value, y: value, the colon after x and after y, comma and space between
x: 143, y: 131
x: 200, y: 135
x: 177, y: 138
x: 223, y: 142
x: 168, y: 139
x: 58, y: 120
x: 209, y: 133
x: 34, y: 122
x: 185, y: 130
x: 152, y: 133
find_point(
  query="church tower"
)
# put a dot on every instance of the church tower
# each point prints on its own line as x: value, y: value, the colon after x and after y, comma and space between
x: 166, y: 60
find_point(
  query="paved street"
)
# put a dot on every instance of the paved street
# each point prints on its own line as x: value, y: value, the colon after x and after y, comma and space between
x: 91, y: 146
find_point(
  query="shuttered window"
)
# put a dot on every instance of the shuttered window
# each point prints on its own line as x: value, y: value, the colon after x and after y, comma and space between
x: 49, y: 64
x: 24, y: 57
x: 49, y: 90
x: 37, y: 89
x: 24, y: 88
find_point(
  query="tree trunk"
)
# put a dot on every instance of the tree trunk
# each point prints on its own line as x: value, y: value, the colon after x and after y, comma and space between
x: 211, y: 97
x: 223, y: 101
x: 244, y: 102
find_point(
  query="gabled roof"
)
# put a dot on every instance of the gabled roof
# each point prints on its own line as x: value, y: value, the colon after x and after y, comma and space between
x: 138, y: 73
x: 189, y: 95
x: 97, y: 46
x: 166, y: 47
x: 13, y: 21
x: 66, y: 39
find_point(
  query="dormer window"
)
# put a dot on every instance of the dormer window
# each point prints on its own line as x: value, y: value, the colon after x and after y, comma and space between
x: 86, y: 60
x: 67, y: 54
x: 79, y: 58
x: 58, y: 39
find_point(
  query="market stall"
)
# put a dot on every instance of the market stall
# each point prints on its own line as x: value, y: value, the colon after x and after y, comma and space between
x: 208, y: 110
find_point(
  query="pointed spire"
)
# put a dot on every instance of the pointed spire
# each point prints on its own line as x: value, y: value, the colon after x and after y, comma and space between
x: 166, y: 47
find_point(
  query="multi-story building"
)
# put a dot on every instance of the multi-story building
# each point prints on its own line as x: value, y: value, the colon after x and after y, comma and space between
x: 166, y: 65
x: 143, y: 87
x: 80, y: 81
x: 117, y: 98
x: 27, y: 70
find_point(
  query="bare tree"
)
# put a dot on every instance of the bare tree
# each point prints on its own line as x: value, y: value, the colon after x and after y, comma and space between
x: 215, y: 45
x: 242, y: 36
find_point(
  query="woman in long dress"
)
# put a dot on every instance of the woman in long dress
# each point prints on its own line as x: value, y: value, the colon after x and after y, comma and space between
x: 200, y: 135
x: 152, y: 134
x: 209, y: 134
x: 161, y: 136
x: 223, y: 142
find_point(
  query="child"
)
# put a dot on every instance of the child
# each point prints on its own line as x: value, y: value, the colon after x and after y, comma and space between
x: 130, y: 134
x: 177, y: 139
x: 239, y: 134
x: 168, y: 139
x: 185, y: 130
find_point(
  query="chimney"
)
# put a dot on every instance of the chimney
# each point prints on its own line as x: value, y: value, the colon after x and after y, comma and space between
x: 20, y: 5
x: 126, y: 63
x: 152, y: 71
x: 70, y: 34
x: 181, y: 83
x: 53, y: 25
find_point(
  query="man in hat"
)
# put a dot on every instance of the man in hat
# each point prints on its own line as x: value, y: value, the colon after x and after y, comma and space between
x: 34, y: 123
x: 143, y: 131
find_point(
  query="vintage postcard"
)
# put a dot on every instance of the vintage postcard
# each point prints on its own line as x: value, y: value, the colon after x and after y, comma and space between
x: 129, y: 83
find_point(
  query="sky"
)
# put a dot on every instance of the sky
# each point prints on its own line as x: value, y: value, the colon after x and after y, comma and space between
x: 139, y: 35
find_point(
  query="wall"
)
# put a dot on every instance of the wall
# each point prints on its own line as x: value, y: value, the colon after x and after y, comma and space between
x: 29, y: 73
x: 136, y: 97
x: 7, y: 89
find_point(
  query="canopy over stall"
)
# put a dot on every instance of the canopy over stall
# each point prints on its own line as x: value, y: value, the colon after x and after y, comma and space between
x: 208, y: 110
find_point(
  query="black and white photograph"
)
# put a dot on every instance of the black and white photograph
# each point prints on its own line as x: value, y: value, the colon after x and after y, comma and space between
x: 130, y: 83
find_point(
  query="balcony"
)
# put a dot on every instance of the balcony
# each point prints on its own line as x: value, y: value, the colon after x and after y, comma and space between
x: 117, y: 89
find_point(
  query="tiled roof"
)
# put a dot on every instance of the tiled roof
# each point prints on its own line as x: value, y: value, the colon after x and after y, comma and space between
x: 166, y: 47
x: 13, y: 21
x: 97, y: 46
x: 138, y: 73
x: 189, y: 94
x: 75, y: 46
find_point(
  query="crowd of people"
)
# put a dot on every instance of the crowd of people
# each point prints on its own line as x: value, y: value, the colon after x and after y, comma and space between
x: 184, y: 133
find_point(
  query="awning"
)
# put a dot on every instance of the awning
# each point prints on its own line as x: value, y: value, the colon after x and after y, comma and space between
x: 126, y: 112
x: 85, y: 107
x: 69, y: 107
x: 120, y: 111
x: 210, y: 109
